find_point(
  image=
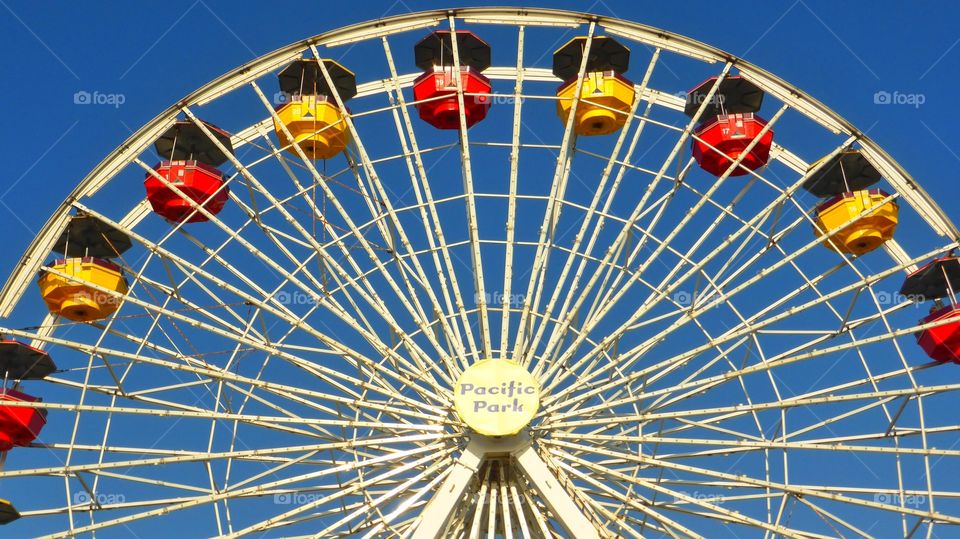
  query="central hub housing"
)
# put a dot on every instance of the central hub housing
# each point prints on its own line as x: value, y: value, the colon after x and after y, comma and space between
x: 496, y: 397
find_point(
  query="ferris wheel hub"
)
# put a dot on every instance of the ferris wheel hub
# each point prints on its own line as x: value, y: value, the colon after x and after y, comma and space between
x: 496, y: 397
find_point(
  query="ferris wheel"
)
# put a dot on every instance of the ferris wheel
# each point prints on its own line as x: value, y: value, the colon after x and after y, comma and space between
x: 487, y: 272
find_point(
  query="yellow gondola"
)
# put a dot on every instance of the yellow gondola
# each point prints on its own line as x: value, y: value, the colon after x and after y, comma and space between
x: 71, y: 298
x: 600, y: 92
x: 868, y: 232
x: 317, y: 126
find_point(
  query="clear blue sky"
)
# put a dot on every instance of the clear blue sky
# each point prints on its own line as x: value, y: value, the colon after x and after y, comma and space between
x: 154, y: 53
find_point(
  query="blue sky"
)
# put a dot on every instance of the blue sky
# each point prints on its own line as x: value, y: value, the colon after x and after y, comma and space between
x: 149, y: 55
x: 155, y: 53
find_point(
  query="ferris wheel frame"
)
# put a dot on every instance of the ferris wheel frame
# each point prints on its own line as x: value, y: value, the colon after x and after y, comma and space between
x: 437, y: 513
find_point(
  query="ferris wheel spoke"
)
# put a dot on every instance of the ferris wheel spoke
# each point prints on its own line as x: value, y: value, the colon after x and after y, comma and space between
x: 276, y: 308
x: 375, y: 302
x: 754, y: 323
x: 377, y: 305
x: 664, y: 291
x: 185, y: 412
x: 419, y: 276
x: 169, y: 294
x: 730, y: 413
x: 383, y: 499
x: 661, y: 174
x: 432, y: 226
x: 438, y: 462
x: 584, y: 232
x: 712, y: 510
x: 620, y: 246
x: 511, y: 230
x: 829, y: 517
x: 746, y: 444
x: 272, y: 486
x: 174, y: 315
x: 722, y: 355
x: 621, y: 249
x: 789, y: 259
x: 853, y: 345
x: 705, y: 199
x: 551, y: 216
x: 360, y: 323
x: 415, y: 500
x: 469, y: 192
x: 274, y: 456
x: 416, y: 272
x: 751, y: 482
x: 173, y: 291
x: 370, y: 410
x: 825, y: 395
x: 637, y: 503
x: 305, y: 288
x: 714, y: 286
x: 317, y: 515
x: 706, y: 510
x: 328, y: 375
x: 365, y: 412
x: 451, y: 331
x: 214, y: 373
x: 624, y: 232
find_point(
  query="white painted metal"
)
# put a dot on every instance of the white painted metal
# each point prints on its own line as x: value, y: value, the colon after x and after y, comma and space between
x: 561, y: 505
x: 432, y: 522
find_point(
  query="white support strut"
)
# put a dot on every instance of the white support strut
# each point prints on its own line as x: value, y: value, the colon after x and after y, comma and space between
x: 438, y: 512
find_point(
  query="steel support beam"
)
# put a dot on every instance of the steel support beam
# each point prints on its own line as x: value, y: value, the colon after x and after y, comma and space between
x: 436, y: 515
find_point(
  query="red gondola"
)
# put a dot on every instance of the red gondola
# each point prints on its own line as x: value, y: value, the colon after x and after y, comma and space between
x: 436, y: 90
x: 934, y: 281
x: 200, y: 183
x: 728, y: 124
x: 731, y: 135
x: 192, y: 153
x: 19, y: 425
